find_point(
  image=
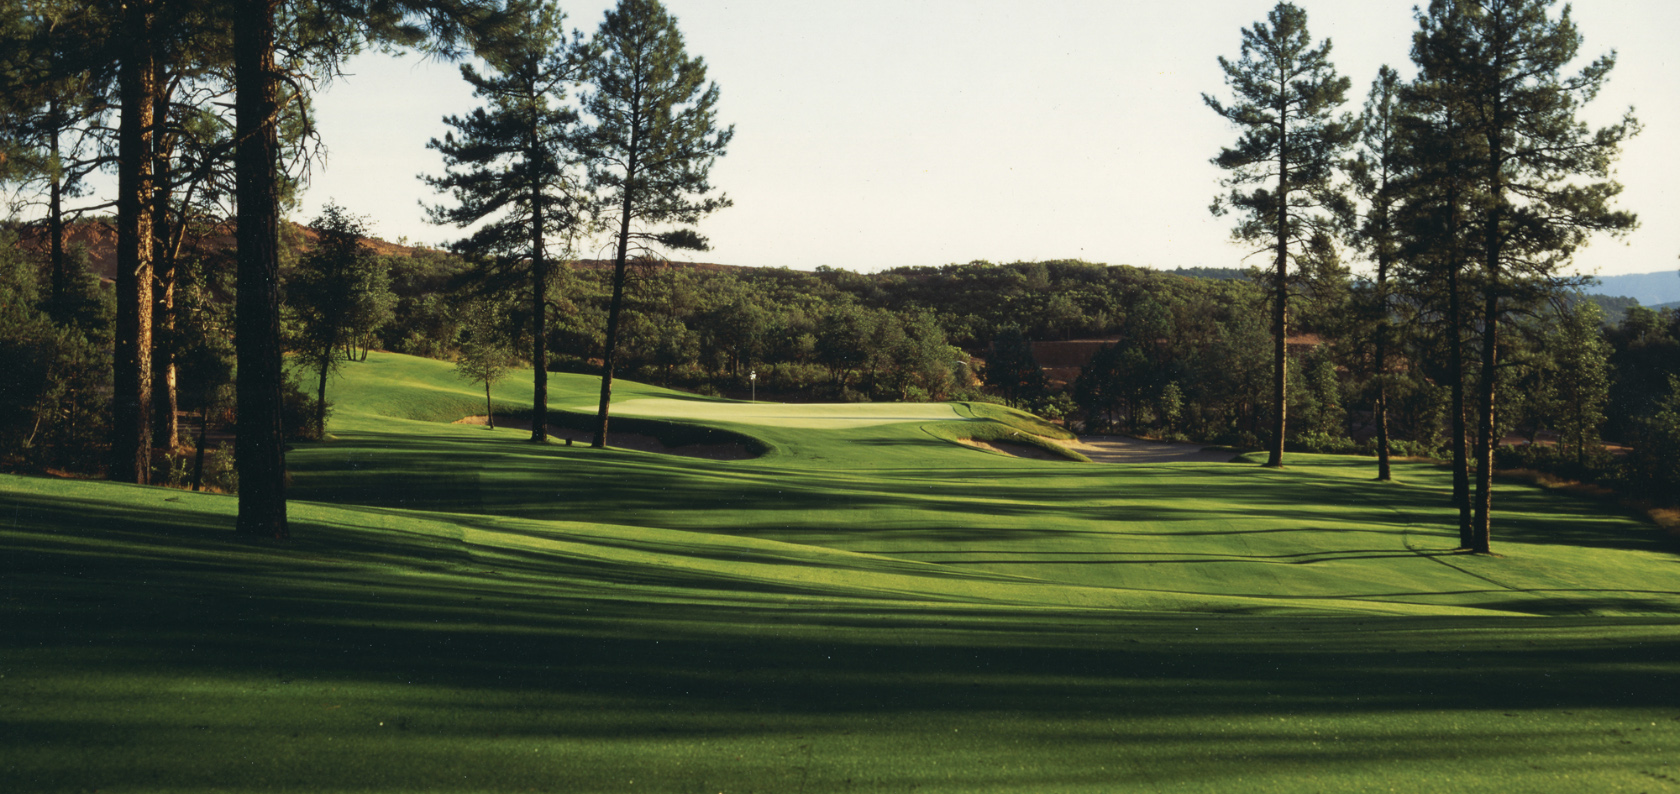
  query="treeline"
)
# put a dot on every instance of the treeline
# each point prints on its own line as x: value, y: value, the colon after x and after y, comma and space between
x: 1466, y: 190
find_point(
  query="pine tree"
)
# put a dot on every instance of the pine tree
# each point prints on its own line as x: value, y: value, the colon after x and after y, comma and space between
x: 1541, y: 175
x: 655, y: 144
x: 1287, y: 93
x: 1376, y: 176
x: 515, y: 163
x: 1436, y: 251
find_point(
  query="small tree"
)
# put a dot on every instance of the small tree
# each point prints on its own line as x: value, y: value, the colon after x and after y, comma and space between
x: 323, y: 294
x: 486, y: 353
x: 1287, y: 93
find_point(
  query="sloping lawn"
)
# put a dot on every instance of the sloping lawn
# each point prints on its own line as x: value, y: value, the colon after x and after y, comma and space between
x: 866, y: 606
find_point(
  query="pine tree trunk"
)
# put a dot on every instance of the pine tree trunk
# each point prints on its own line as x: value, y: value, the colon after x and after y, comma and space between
x: 489, y: 412
x: 1460, y: 434
x: 259, y: 445
x: 1487, y: 437
x: 321, y: 396
x: 55, y: 225
x: 1380, y: 409
x: 539, y: 317
x: 198, y: 455
x: 617, y: 304
x: 1486, y: 431
x: 131, y: 370
x: 609, y: 360
x: 1280, y: 311
x: 165, y: 427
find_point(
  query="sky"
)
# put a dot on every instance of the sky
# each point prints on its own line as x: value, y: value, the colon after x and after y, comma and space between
x: 879, y: 133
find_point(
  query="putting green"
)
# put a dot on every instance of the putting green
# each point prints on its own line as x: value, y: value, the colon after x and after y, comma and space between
x: 813, y: 415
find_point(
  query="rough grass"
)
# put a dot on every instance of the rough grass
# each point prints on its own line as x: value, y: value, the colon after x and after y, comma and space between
x: 867, y: 607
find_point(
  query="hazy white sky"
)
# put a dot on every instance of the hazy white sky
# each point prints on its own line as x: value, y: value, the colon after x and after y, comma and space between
x: 878, y: 133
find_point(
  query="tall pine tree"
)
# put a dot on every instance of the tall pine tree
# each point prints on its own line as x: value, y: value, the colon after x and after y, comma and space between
x: 516, y: 163
x: 1376, y: 176
x: 1282, y: 167
x: 1542, y: 175
x: 656, y: 140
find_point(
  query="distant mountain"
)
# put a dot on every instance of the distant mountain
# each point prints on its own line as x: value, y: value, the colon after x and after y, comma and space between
x: 1651, y: 289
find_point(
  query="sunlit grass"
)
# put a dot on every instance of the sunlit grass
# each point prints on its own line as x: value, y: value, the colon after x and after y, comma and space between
x: 864, y: 607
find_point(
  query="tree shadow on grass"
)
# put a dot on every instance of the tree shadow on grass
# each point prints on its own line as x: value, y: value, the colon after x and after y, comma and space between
x: 154, y: 624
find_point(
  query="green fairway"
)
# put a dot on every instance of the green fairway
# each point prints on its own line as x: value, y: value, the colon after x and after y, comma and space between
x: 864, y: 606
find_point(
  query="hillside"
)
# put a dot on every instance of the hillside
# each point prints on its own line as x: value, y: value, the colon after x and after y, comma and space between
x: 99, y: 238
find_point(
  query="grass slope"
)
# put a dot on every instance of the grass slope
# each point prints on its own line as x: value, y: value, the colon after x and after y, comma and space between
x: 866, y: 607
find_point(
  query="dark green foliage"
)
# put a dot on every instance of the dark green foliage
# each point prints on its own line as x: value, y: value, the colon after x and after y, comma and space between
x: 1652, y: 470
x: 336, y: 296
x: 55, y: 380
x: 1320, y: 400
x: 1645, y: 353
x: 1011, y: 367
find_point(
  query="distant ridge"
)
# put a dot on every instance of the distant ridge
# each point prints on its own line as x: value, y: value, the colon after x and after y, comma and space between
x: 99, y: 237
x: 1652, y: 289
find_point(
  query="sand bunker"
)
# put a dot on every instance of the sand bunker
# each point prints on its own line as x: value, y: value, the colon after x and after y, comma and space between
x: 1111, y: 449
x: 635, y: 441
x: 1012, y: 449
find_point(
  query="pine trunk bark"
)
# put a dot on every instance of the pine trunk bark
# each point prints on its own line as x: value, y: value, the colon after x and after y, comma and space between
x: 131, y: 369
x: 55, y: 224
x: 1486, y: 430
x: 1280, y: 308
x: 1380, y: 409
x: 321, y: 396
x: 259, y: 445
x: 539, y: 308
x: 1460, y: 434
x: 165, y: 427
x: 610, y: 359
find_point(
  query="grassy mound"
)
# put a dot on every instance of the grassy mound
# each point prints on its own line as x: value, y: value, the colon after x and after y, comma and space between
x: 867, y: 606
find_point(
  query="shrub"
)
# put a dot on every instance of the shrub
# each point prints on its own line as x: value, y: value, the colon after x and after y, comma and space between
x: 1323, y: 443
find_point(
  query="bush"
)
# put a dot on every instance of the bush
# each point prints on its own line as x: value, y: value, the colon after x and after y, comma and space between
x: 297, y: 413
x: 1598, y: 465
x: 1323, y: 444
x: 1402, y: 448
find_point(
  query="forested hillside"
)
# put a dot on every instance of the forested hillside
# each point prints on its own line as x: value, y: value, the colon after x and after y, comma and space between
x: 1179, y: 356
